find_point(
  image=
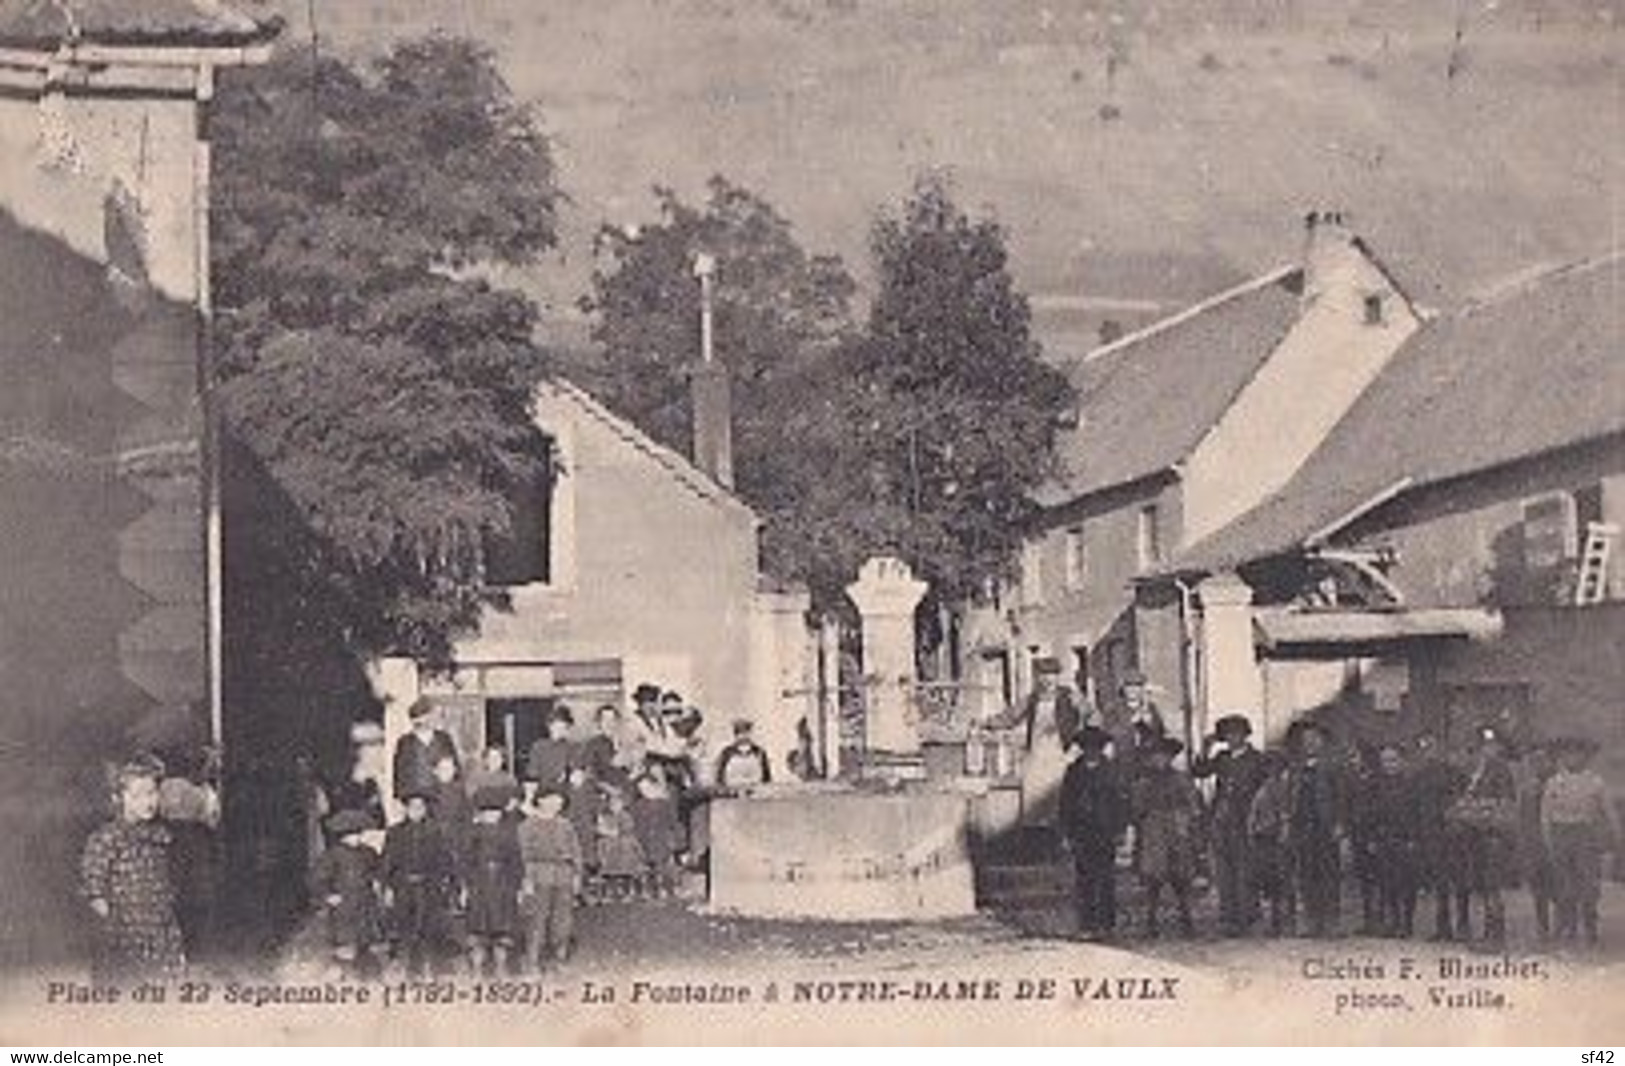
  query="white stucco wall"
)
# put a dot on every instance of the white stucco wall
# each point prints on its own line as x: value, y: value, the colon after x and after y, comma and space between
x: 61, y: 158
x: 1320, y: 368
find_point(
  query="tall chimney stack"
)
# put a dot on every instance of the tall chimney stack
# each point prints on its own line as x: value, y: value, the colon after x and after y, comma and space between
x: 713, y: 407
x: 1331, y: 260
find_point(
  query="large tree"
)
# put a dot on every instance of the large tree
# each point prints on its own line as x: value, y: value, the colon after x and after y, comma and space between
x: 380, y: 384
x: 780, y: 313
x: 952, y: 408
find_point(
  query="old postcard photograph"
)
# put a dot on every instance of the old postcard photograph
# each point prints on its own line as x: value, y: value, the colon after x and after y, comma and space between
x: 812, y: 522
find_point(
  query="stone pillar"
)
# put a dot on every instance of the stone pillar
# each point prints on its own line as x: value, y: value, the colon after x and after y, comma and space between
x: 886, y: 594
x: 778, y: 650
x: 1233, y: 681
x: 829, y: 694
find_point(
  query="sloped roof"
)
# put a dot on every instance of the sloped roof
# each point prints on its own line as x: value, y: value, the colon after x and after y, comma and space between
x: 1538, y: 366
x: 681, y: 470
x: 197, y: 23
x: 1147, y: 399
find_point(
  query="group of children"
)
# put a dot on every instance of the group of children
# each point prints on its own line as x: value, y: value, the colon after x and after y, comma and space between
x: 1284, y: 827
x: 494, y: 863
x: 508, y: 876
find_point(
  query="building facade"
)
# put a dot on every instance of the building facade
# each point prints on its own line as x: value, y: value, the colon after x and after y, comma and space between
x: 107, y: 634
x: 1180, y: 429
x: 636, y: 567
x: 1445, y: 559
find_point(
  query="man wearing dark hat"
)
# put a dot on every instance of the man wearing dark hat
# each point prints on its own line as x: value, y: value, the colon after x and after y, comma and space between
x: 1239, y: 771
x: 419, y: 877
x: 1093, y: 815
x: 1580, y: 825
x: 1317, y: 820
x: 418, y: 751
x: 1483, y: 821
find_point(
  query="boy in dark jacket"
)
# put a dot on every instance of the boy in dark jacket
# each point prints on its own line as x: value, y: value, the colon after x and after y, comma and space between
x: 659, y: 829
x: 1391, y: 820
x: 1167, y: 812
x: 420, y: 879
x: 1438, y: 783
x: 1317, y: 819
x: 345, y: 880
x: 553, y: 756
x: 492, y: 879
x: 1093, y: 814
x: 553, y: 872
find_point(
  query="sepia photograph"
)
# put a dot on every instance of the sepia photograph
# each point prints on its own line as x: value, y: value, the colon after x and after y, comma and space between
x: 646, y: 522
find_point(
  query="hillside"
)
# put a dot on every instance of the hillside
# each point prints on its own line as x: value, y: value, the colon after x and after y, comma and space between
x: 1105, y: 141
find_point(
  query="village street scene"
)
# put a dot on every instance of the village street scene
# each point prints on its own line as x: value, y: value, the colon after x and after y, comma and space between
x: 496, y: 491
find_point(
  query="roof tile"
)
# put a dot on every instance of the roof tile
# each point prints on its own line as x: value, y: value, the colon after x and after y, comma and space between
x: 1147, y: 400
x: 199, y: 23
x: 1537, y: 367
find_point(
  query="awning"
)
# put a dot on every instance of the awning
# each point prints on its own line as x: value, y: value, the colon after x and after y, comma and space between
x: 1285, y: 627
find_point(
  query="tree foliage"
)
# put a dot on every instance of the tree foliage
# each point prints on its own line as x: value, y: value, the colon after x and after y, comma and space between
x: 937, y: 425
x: 921, y: 434
x: 375, y: 377
x: 778, y: 312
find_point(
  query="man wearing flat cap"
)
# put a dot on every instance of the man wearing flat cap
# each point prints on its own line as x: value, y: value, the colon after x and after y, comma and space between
x: 1239, y: 770
x: 418, y: 751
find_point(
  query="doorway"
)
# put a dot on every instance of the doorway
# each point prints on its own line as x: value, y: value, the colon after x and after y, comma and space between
x: 514, y: 724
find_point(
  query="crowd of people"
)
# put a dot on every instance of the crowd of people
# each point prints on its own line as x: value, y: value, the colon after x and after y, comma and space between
x: 483, y: 865
x: 491, y: 863
x: 473, y: 865
x: 1285, y: 830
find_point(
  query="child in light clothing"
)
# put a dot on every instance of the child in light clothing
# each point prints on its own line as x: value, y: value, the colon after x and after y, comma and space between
x: 1579, y: 824
x: 553, y: 876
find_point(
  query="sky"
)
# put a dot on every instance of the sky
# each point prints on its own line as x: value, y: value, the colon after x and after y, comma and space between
x: 1143, y: 153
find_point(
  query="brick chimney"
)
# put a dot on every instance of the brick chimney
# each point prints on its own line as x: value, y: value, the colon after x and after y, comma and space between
x: 1332, y: 260
x: 713, y: 423
x: 713, y: 409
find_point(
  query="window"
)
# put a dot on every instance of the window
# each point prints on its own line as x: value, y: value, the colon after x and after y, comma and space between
x: 1550, y: 530
x: 1373, y: 309
x: 1077, y: 559
x: 525, y: 555
x: 1149, y: 536
x: 1032, y: 572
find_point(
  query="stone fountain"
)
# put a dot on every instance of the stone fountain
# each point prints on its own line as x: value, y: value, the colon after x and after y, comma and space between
x: 891, y: 845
